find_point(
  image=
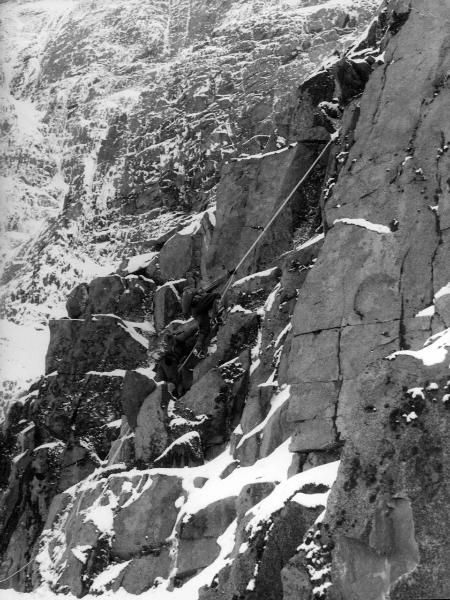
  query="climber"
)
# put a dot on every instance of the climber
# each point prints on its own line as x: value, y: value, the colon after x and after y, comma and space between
x: 351, y: 75
x: 201, y: 303
x: 177, y: 340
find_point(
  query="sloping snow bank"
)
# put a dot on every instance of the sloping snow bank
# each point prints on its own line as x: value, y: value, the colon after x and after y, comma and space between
x: 22, y: 357
x: 272, y: 468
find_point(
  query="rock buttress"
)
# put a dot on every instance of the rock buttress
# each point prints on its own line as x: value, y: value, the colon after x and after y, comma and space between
x: 382, y: 263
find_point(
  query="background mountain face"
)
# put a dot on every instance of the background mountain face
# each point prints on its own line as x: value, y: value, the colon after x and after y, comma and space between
x: 146, y: 142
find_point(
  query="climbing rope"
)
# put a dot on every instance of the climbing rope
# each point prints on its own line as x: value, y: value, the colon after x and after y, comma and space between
x: 261, y: 235
x: 227, y: 287
x: 277, y: 212
x: 17, y: 572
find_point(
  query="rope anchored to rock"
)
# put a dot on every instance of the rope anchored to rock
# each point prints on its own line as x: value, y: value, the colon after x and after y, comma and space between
x: 274, y: 216
x: 265, y: 228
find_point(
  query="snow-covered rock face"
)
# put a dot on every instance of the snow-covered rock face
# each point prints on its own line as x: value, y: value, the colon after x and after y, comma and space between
x: 157, y: 455
x: 116, y: 116
x: 31, y: 182
x: 120, y: 108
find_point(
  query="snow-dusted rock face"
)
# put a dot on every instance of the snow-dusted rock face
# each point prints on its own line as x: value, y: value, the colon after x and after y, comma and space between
x: 300, y: 452
x: 121, y: 109
x: 116, y: 120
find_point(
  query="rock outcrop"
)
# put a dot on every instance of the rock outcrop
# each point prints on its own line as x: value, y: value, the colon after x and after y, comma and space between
x: 278, y: 432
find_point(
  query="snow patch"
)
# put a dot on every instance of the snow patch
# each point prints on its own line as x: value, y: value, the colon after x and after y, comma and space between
x: 444, y: 291
x: 22, y: 354
x: 434, y: 351
x: 311, y: 242
x: 271, y: 298
x: 140, y: 261
x: 365, y: 224
x: 416, y: 392
x: 115, y: 373
x: 110, y: 574
x: 80, y: 553
x: 276, y: 402
x: 266, y: 273
x: 48, y: 446
x: 429, y: 311
x: 323, y: 474
x: 102, y: 515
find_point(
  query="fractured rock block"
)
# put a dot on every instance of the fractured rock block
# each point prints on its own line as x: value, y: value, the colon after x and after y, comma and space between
x: 295, y: 579
x: 198, y: 545
x: 364, y: 344
x: 185, y: 451
x: 136, y: 301
x: 140, y: 573
x: 80, y: 407
x: 391, y: 552
x: 176, y: 257
x: 186, y: 249
x: 166, y: 305
x: 136, y: 387
x: 251, y: 494
x: 238, y: 332
x: 104, y: 294
x: 146, y: 523
x: 77, y: 463
x: 211, y: 396
x: 296, y: 264
x: 315, y: 434
x: 251, y: 291
x: 314, y: 357
x: 128, y: 297
x: 210, y: 521
x: 310, y: 400
x: 364, y: 263
x: 220, y: 410
x: 77, y: 302
x: 249, y: 191
x: 122, y: 449
x: 151, y: 436
x: 102, y: 344
x: 443, y: 308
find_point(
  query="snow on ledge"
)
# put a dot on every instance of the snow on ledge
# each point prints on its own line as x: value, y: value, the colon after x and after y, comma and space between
x: 109, y: 575
x: 311, y: 242
x: 290, y: 489
x: 266, y: 273
x: 80, y: 553
x: 434, y: 351
x: 365, y: 224
x: 115, y: 373
x: 140, y: 261
x: 130, y: 327
x: 196, y: 222
x: 429, y: 311
x: 240, y: 309
x: 271, y: 298
x: 277, y: 401
x: 444, y: 291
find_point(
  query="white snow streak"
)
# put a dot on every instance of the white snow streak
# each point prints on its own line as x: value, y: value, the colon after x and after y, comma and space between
x: 365, y: 224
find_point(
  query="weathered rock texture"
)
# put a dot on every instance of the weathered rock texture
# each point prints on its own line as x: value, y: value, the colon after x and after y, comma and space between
x: 144, y: 461
x: 116, y: 119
